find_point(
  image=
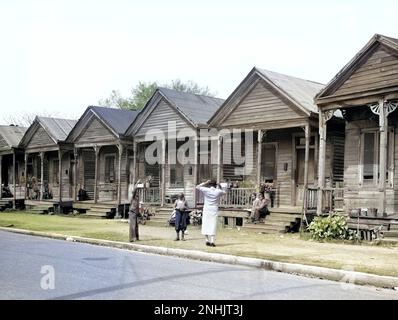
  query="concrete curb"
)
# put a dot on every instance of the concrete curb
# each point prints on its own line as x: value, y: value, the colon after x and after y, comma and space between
x: 343, y: 276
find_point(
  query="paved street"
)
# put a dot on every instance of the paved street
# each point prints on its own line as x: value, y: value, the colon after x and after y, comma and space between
x: 84, y: 271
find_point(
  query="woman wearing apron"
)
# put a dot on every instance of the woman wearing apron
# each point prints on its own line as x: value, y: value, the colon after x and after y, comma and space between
x: 212, y: 193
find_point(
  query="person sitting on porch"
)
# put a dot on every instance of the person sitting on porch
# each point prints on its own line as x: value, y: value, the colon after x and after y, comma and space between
x: 259, y: 209
x: 47, y: 194
x: 36, y: 189
x: 6, y: 192
x: 82, y: 194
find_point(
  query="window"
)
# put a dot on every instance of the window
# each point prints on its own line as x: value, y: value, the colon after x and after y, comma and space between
x: 109, y: 169
x: 176, y: 175
x: 268, y: 162
x: 369, y: 156
x: 55, y: 177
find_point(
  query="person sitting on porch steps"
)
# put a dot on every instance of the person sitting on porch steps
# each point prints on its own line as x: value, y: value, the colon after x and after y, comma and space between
x: 181, y: 207
x: 259, y: 208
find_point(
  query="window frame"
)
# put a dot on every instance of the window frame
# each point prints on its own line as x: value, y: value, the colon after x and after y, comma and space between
x: 106, y: 157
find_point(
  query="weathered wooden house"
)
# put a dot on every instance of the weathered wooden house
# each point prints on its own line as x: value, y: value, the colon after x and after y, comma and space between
x: 12, y: 174
x: 104, y: 158
x: 172, y: 114
x: 281, y: 112
x: 366, y: 92
x: 48, y: 161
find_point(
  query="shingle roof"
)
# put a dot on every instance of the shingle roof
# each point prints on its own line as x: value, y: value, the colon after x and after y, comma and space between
x: 302, y: 91
x: 57, y: 128
x: 12, y: 135
x: 198, y: 108
x: 118, y: 119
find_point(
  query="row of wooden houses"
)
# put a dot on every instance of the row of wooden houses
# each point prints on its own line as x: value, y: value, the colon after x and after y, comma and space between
x: 318, y: 148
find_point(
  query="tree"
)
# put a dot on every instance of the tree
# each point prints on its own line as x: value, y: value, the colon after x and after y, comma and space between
x: 25, y: 119
x: 143, y: 91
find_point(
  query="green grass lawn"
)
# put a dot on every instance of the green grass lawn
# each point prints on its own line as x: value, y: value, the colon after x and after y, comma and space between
x: 365, y: 257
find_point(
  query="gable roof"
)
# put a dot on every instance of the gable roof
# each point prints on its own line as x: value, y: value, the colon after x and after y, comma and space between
x: 116, y: 120
x: 12, y: 135
x: 390, y: 43
x: 198, y: 108
x: 299, y: 92
x: 195, y: 109
x: 57, y: 129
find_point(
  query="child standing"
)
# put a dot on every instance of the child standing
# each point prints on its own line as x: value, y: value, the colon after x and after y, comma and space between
x: 181, y: 208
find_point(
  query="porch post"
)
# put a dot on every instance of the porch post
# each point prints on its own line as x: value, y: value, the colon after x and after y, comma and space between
x: 75, y: 165
x: 307, y: 130
x: 383, y: 123
x: 119, y: 183
x: 219, y: 155
x: 259, y: 151
x: 163, y: 184
x: 96, y: 171
x: 26, y: 156
x: 134, y: 178
x: 60, y: 177
x: 195, y: 166
x: 14, y: 180
x: 321, y: 163
x: 1, y: 177
x: 41, y: 175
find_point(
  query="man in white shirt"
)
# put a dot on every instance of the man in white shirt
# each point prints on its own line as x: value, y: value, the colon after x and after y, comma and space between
x: 212, y: 193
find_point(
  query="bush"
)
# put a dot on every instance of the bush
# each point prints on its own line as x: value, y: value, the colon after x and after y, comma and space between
x: 331, y: 227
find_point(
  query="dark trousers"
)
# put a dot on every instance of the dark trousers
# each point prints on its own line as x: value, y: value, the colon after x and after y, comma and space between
x: 133, y: 232
x: 181, y: 220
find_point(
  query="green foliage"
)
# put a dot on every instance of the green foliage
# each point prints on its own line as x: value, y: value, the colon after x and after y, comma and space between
x: 143, y: 91
x: 331, y: 227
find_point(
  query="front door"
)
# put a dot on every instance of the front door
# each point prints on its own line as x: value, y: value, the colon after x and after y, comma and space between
x: 300, y: 153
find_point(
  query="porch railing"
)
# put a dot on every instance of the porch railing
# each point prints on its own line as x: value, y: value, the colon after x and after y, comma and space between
x: 333, y: 199
x: 149, y: 195
x: 19, y: 190
x: 235, y: 198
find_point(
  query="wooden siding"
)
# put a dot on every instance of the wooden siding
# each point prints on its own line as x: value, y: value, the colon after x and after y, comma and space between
x: 379, y: 71
x: 260, y: 105
x: 367, y: 195
x: 40, y: 138
x: 95, y: 132
x: 159, y: 118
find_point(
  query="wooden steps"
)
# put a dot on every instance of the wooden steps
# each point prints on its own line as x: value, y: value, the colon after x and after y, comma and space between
x: 280, y: 220
x: 161, y: 217
x: 95, y: 210
x: 5, y: 204
x: 40, y: 207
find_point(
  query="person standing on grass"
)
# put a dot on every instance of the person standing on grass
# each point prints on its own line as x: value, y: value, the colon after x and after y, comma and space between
x: 133, y: 215
x: 212, y: 192
x: 181, y: 208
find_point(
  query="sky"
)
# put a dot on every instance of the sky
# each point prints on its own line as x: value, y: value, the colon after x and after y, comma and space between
x: 58, y: 57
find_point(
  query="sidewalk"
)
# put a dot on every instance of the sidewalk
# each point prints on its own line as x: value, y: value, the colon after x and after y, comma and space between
x: 287, y: 253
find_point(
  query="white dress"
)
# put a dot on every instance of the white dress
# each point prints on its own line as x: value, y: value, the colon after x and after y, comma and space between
x: 210, y: 209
